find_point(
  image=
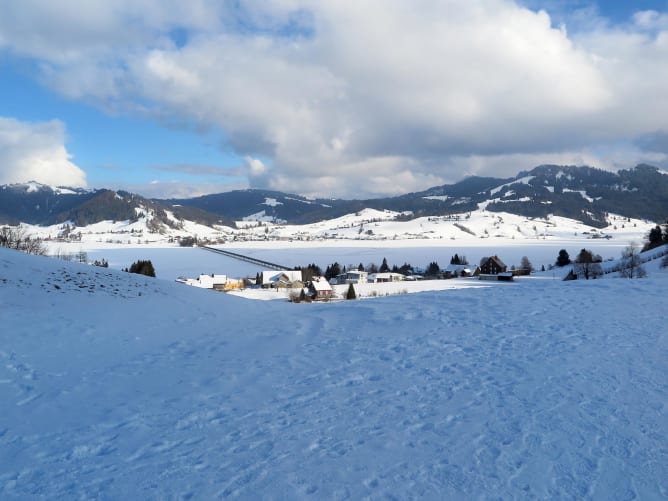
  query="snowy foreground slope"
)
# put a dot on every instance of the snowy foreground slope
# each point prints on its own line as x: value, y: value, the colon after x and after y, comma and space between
x: 117, y: 386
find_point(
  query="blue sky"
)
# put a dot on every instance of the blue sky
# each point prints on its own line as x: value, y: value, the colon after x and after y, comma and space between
x: 326, y: 99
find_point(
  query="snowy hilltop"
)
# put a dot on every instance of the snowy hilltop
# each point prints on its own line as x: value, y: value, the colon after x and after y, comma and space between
x: 120, y: 386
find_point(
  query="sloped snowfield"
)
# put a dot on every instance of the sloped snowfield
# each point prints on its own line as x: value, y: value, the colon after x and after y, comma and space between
x: 116, y: 386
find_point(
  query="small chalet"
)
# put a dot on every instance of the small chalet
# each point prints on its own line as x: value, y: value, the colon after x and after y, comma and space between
x: 492, y: 266
x: 319, y: 289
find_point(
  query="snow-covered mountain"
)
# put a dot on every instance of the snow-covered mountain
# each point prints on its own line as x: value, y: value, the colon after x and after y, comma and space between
x: 39, y: 204
x: 583, y: 194
x: 118, y: 386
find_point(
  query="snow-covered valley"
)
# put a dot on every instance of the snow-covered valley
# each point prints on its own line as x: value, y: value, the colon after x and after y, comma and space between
x: 120, y: 386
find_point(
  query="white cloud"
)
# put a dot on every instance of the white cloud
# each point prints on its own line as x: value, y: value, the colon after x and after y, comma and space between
x: 36, y: 152
x: 255, y: 166
x: 395, y: 94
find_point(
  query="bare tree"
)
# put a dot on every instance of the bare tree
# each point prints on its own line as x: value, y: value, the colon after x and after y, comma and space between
x: 587, y: 265
x: 525, y: 264
x: 16, y: 238
x: 631, y: 264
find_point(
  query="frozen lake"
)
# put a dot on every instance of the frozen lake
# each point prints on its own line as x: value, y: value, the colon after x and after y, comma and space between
x: 172, y: 262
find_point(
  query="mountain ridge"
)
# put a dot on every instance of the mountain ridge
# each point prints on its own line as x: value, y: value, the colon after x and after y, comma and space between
x: 582, y: 193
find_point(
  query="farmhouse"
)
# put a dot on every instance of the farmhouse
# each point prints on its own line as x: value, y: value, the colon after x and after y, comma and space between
x: 492, y: 266
x: 494, y: 269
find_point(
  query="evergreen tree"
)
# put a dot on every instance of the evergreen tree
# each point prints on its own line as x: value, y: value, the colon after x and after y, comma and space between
x: 433, y: 269
x: 332, y: 271
x: 360, y: 267
x: 654, y: 238
x: 351, y: 292
x: 142, y: 267
x: 563, y: 258
x: 406, y: 269
x: 312, y: 270
x: 384, y: 268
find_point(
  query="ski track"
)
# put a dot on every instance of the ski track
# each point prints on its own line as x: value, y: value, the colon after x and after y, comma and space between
x: 561, y: 396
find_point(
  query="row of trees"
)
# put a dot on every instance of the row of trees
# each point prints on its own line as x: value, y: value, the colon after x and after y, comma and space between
x: 18, y: 239
x: 588, y: 265
x: 335, y: 269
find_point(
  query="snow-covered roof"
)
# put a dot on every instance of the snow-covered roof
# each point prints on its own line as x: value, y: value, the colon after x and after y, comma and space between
x: 320, y: 284
x: 273, y: 276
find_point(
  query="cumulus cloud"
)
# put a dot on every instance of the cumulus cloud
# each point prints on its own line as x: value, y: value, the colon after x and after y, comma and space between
x: 36, y: 152
x: 364, y: 98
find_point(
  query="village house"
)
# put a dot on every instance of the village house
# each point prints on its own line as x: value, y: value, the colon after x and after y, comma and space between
x: 320, y: 289
x: 385, y: 277
x: 281, y: 279
x: 352, y: 277
x: 205, y: 281
x: 457, y: 270
x: 212, y: 281
x: 494, y: 269
x: 493, y: 266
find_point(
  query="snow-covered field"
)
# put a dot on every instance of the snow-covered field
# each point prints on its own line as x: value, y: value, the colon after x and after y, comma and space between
x: 117, y: 386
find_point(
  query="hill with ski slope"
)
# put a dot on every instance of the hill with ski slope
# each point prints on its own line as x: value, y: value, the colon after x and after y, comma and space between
x: 121, y: 386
